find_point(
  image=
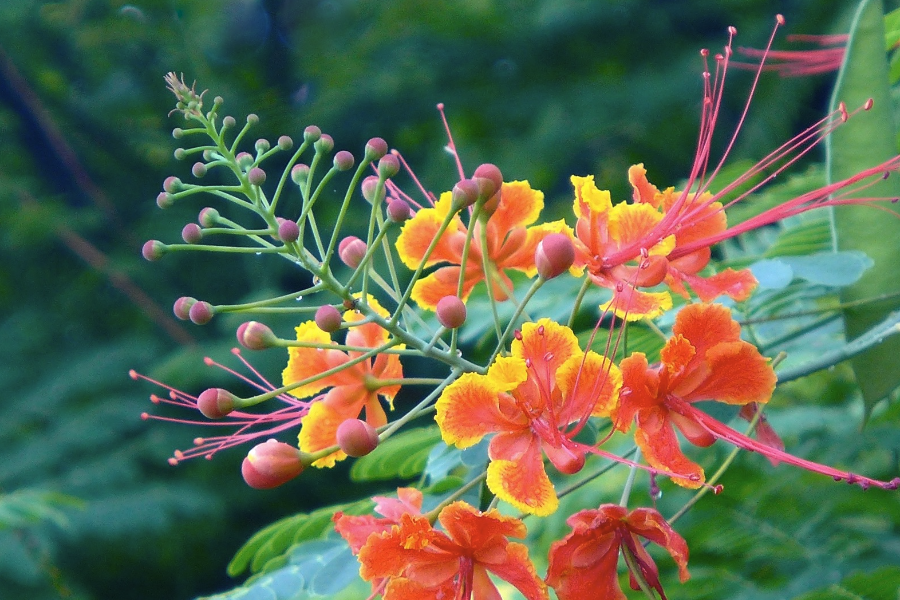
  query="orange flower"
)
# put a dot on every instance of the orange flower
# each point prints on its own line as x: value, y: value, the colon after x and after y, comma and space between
x: 529, y: 400
x: 357, y: 529
x: 353, y: 388
x: 420, y: 562
x: 705, y: 359
x: 583, y: 564
x: 510, y: 244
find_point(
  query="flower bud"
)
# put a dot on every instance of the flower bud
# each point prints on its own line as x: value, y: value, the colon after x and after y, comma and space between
x: 299, y: 173
x: 554, y: 255
x: 262, y: 145
x: 451, y: 312
x: 164, y: 200
x: 208, y: 217
x: 370, y: 187
x: 376, y: 148
x: 352, y: 250
x: 256, y: 176
x: 398, y: 210
x: 356, y: 438
x: 255, y: 336
x: 489, y: 180
x: 177, y: 133
x: 201, y: 313
x: 288, y: 231
x: 324, y: 144
x: 216, y: 403
x: 252, y: 119
x: 153, y: 250
x: 328, y: 318
x: 228, y: 122
x: 191, y: 233
x: 464, y: 194
x: 244, y: 160
x: 271, y: 464
x: 199, y: 169
x: 343, y: 161
x: 388, y: 166
x: 172, y: 184
x: 285, y: 142
x: 182, y: 307
x: 180, y: 154
x: 312, y: 133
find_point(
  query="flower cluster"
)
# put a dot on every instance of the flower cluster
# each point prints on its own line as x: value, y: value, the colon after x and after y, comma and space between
x: 543, y: 393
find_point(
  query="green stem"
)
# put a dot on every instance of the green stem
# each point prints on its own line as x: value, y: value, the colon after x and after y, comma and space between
x: 586, y: 284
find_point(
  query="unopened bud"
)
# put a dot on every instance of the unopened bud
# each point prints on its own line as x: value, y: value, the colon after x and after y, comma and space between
x: 252, y: 119
x: 352, y: 250
x: 208, y: 217
x: 324, y: 144
x: 153, y: 250
x: 201, y: 313
x: 376, y: 148
x: 172, y: 184
x: 262, y: 145
x: 388, y: 166
x: 191, y: 233
x: 554, y: 255
x: 244, y: 160
x: 285, y: 142
x: 398, y: 210
x: 180, y: 154
x: 370, y: 188
x: 464, y: 194
x: 256, y: 176
x: 328, y: 318
x: 228, y: 122
x: 271, y: 464
x: 256, y: 336
x: 164, y: 200
x: 312, y: 133
x: 356, y: 438
x: 216, y: 403
x: 489, y: 180
x: 182, y: 307
x: 299, y: 174
x: 199, y: 169
x: 288, y: 231
x: 451, y: 312
x: 343, y: 161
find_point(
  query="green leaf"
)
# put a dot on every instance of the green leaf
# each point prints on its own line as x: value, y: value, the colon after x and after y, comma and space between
x: 883, y: 584
x: 402, y: 456
x: 864, y: 141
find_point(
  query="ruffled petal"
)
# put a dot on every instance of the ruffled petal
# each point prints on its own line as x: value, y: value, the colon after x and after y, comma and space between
x: 519, y: 206
x: 304, y: 363
x: 657, y: 440
x: 467, y: 410
x: 476, y: 530
x: 319, y: 431
x: 520, y: 256
x: 418, y: 232
x: 516, y: 569
x: 644, y: 191
x: 738, y: 374
x: 737, y: 285
x: 634, y: 224
x: 412, y: 541
x: 574, y: 576
x: 507, y: 372
x: 524, y: 483
x: 589, y: 384
x: 443, y: 282
x: 400, y: 588
x: 588, y: 199
x: 639, y: 390
x: 649, y: 524
x: 632, y: 304
x: 546, y: 344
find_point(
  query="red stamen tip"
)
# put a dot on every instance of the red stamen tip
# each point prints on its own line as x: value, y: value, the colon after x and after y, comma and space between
x: 704, y: 53
x: 717, y: 489
x: 732, y: 30
x: 779, y: 20
x: 440, y: 106
x: 179, y: 455
x: 198, y: 441
x: 145, y: 416
x: 133, y: 374
x: 868, y: 104
x: 843, y: 109
x: 207, y: 361
x: 173, y: 461
x: 154, y: 399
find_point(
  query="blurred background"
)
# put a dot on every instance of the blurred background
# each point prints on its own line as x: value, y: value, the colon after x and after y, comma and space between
x: 542, y: 88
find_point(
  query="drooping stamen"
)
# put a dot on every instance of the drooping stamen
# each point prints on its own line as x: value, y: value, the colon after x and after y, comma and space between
x: 451, y: 146
x: 250, y: 426
x: 799, y: 63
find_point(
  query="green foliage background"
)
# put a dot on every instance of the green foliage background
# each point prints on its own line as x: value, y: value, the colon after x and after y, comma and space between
x: 542, y: 88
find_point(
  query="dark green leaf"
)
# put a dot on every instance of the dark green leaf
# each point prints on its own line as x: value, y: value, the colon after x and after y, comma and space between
x: 402, y: 456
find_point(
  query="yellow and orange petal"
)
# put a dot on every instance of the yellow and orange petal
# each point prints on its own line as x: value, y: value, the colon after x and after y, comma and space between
x: 418, y: 233
x: 738, y: 374
x: 632, y: 304
x: 428, y: 291
x: 507, y: 372
x: 319, y: 431
x: 474, y: 530
x: 632, y: 224
x: 737, y: 285
x: 520, y: 205
x: 659, y: 444
x: 390, y: 553
x: 649, y: 524
x: 517, y: 569
x: 522, y: 258
x: 546, y: 343
x: 588, y: 199
x: 524, y: 482
x: 467, y: 410
x: 304, y: 363
x: 644, y: 191
x: 589, y: 383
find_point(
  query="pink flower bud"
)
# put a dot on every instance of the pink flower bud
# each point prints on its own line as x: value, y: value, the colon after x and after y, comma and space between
x: 398, y: 210
x: 191, y: 233
x: 370, y: 187
x: 255, y: 336
x: 262, y: 145
x: 271, y: 464
x: 228, y: 122
x: 153, y: 250
x: 356, y: 438
x: 352, y: 250
x: 216, y: 403
x: 300, y: 173
x: 312, y: 133
x: 489, y: 179
x: 288, y: 231
x: 172, y: 184
x: 252, y: 119
x: 164, y: 200
x: 208, y: 217
x: 376, y: 148
x: 199, y: 169
x: 388, y: 166
x: 244, y: 160
x: 328, y: 318
x: 343, y: 161
x: 182, y: 307
x: 451, y: 312
x: 464, y: 194
x: 256, y: 176
x: 554, y: 255
x: 285, y: 143
x: 324, y: 144
x: 201, y: 313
